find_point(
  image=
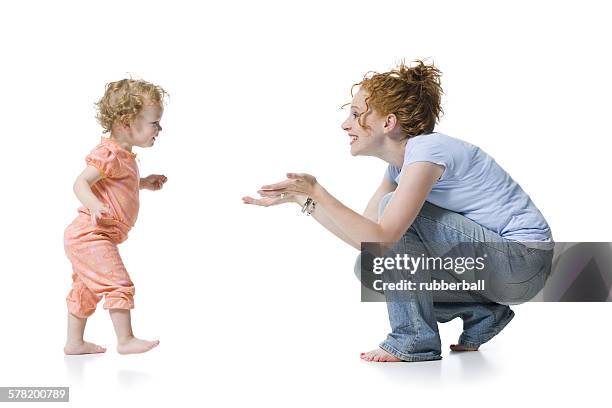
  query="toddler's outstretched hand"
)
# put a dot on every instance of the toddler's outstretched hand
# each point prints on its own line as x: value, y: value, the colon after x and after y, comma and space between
x: 153, y: 182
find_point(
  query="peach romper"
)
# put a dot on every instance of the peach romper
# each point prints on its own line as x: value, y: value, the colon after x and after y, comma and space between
x: 97, y: 268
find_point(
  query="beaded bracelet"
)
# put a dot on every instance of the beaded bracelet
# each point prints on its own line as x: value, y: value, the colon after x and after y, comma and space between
x: 309, y: 206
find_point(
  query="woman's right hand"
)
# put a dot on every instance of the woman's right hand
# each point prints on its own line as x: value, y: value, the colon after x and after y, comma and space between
x: 270, y: 201
x: 96, y: 211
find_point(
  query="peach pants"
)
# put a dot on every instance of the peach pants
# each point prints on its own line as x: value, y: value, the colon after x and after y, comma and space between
x: 97, y: 268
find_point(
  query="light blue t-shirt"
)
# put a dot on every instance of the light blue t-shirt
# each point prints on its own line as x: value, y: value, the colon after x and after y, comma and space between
x: 474, y: 185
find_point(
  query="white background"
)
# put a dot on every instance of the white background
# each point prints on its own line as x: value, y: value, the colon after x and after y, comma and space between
x: 259, y: 306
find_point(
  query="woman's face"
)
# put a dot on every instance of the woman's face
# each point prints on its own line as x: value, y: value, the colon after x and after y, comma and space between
x: 363, y: 140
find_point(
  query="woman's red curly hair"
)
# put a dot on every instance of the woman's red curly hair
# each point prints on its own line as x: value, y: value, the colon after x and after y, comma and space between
x: 412, y: 93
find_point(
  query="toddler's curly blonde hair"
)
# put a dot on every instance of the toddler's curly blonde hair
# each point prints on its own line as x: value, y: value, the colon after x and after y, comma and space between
x: 124, y: 99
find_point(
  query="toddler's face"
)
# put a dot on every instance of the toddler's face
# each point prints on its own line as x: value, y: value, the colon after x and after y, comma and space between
x: 145, y: 128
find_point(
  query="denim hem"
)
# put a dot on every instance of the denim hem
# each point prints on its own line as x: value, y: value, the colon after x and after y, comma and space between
x: 468, y: 344
x: 407, y: 357
x: 490, y: 335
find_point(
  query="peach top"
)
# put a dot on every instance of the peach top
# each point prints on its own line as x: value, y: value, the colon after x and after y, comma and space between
x: 120, y: 184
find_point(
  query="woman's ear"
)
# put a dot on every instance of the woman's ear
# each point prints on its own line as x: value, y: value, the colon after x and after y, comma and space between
x: 390, y: 123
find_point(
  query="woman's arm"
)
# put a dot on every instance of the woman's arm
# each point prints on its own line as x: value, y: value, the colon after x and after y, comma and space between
x: 414, y: 186
x: 371, y: 212
x: 322, y: 218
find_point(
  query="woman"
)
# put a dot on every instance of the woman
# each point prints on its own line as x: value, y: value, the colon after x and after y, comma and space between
x: 436, y: 189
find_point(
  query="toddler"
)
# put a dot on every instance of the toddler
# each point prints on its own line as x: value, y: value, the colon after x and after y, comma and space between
x: 108, y: 188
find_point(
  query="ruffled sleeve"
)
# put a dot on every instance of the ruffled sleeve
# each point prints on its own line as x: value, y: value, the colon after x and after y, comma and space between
x: 105, y: 160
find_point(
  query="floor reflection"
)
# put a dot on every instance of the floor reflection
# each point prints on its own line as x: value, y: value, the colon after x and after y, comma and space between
x: 473, y: 363
x: 82, y: 369
x: 130, y: 378
x: 453, y: 366
x: 76, y: 365
x: 421, y: 371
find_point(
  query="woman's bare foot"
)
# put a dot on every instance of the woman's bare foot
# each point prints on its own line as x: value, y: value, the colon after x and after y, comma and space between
x: 379, y: 355
x: 133, y: 345
x: 460, y: 347
x: 83, y: 347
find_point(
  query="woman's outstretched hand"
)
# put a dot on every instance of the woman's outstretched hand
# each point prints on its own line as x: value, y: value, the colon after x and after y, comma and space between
x: 295, y: 189
x: 296, y: 183
x: 270, y: 201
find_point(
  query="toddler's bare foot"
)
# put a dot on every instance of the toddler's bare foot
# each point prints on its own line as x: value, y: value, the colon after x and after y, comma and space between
x: 379, y: 355
x: 460, y: 347
x: 133, y: 345
x: 83, y: 347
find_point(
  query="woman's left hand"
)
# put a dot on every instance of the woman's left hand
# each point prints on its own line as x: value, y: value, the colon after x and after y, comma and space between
x: 296, y: 184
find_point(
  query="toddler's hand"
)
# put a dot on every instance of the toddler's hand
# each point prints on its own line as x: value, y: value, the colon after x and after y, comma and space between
x: 153, y: 182
x: 96, y: 212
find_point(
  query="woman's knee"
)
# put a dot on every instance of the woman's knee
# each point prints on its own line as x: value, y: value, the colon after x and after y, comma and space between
x: 384, y: 201
x: 428, y: 210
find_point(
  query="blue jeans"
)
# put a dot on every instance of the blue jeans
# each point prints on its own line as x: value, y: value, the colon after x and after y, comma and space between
x: 516, y: 274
